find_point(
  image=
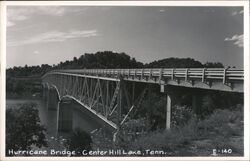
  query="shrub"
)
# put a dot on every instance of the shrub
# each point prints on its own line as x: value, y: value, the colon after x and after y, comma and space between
x: 208, y: 105
x: 78, y: 141
x: 222, y: 123
x: 180, y: 115
x: 102, y: 140
x: 217, y: 129
x: 23, y: 128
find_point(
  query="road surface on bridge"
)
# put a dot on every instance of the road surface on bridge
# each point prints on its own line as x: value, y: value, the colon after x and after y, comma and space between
x: 206, y: 78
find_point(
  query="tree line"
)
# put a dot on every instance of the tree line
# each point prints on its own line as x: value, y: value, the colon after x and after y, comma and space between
x: 107, y: 60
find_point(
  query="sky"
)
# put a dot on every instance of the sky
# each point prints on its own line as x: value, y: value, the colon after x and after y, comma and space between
x: 50, y: 34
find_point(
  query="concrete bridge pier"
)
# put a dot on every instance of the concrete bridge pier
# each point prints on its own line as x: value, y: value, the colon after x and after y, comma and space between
x: 52, y: 99
x: 65, y: 116
x: 168, y: 106
x: 45, y: 92
x: 196, y: 106
x: 197, y: 96
x: 168, y: 112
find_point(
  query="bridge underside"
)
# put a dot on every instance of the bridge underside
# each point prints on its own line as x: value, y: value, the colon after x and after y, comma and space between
x: 109, y: 101
x: 110, y: 96
x: 73, y: 114
x: 95, y: 118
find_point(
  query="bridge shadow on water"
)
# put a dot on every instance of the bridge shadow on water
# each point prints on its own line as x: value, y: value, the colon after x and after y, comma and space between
x: 66, y: 115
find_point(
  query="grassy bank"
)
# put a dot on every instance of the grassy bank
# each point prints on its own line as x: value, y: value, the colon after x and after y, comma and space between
x: 222, y: 131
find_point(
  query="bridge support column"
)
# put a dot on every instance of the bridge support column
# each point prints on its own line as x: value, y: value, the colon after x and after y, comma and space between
x: 52, y: 99
x: 65, y: 119
x: 45, y: 92
x: 168, y: 112
x: 167, y: 91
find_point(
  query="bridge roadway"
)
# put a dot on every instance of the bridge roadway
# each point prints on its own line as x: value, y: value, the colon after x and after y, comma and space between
x: 222, y: 79
x: 103, y: 94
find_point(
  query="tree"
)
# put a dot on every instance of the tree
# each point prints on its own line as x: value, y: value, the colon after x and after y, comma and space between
x: 152, y: 109
x: 23, y: 128
x: 213, y: 65
x: 175, y: 63
x: 79, y: 140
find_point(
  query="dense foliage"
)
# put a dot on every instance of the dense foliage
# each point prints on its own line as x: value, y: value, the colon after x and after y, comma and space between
x: 182, y: 63
x: 175, y: 63
x: 223, y: 129
x: 23, y: 128
x: 22, y: 88
x: 28, y: 71
x: 153, y: 106
x: 105, y: 59
x: 78, y: 141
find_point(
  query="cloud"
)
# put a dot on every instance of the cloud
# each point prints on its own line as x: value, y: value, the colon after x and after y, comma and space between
x: 238, y: 12
x: 36, y: 52
x: 162, y: 10
x: 237, y: 39
x: 9, y: 23
x: 209, y: 10
x: 241, y: 12
x: 54, y: 36
x: 15, y: 14
x: 52, y: 10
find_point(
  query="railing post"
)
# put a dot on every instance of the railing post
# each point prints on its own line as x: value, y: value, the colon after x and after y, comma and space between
x: 224, y: 75
x: 123, y: 72
x: 186, y: 75
x: 160, y: 75
x: 172, y: 77
x: 128, y: 73
x: 142, y: 73
x: 203, y: 75
x: 118, y: 73
x: 150, y: 74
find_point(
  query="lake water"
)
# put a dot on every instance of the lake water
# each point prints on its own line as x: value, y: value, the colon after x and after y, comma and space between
x: 48, y: 119
x: 81, y: 118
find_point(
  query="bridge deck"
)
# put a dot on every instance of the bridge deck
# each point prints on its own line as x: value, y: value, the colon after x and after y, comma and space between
x: 207, y: 78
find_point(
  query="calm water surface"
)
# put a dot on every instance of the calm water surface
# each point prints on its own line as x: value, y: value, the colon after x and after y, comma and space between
x: 48, y: 119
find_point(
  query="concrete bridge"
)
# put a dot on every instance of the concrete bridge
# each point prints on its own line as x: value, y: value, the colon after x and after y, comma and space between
x: 109, y: 96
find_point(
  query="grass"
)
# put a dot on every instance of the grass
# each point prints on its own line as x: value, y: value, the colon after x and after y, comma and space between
x: 223, y: 129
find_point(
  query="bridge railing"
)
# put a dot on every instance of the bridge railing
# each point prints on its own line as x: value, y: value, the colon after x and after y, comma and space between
x: 206, y: 78
x: 187, y: 73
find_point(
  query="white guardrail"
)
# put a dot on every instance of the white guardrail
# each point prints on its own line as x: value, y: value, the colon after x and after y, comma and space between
x: 223, y: 79
x: 187, y: 73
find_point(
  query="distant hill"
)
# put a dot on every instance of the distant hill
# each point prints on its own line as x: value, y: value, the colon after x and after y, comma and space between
x: 105, y: 59
x: 108, y: 60
x: 182, y: 63
x: 28, y: 71
x: 175, y: 63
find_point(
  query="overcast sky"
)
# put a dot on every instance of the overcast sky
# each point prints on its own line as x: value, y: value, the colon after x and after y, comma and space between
x: 50, y: 34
